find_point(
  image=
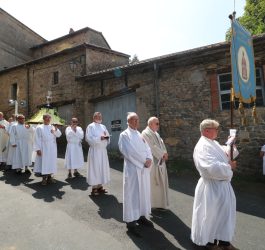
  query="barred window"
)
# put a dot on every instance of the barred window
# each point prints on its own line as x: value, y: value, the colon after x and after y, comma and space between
x: 55, y: 77
x: 224, y: 83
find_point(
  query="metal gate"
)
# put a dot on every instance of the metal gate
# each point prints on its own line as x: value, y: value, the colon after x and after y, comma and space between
x: 114, y: 114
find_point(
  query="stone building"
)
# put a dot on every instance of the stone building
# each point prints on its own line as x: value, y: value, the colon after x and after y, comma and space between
x: 15, y: 41
x: 182, y: 89
x: 53, y: 66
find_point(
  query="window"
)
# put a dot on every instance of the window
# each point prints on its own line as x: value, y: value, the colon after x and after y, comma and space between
x: 55, y: 77
x: 225, y: 81
x: 13, y: 91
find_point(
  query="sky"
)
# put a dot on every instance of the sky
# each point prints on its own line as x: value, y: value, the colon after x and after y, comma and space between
x: 146, y: 28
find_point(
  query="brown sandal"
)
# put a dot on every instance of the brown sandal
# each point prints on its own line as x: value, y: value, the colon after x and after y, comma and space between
x: 102, y: 190
x: 94, y: 192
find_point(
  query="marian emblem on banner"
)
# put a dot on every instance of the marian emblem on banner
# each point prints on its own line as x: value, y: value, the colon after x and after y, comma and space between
x: 243, y: 66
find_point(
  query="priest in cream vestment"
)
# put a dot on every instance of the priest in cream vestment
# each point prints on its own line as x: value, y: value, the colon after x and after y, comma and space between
x: 159, y: 177
x: 214, y: 208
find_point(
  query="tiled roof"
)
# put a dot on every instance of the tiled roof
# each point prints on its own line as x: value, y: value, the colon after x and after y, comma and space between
x: 213, y: 48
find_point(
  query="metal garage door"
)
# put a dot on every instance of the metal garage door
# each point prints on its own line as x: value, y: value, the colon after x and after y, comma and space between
x: 66, y: 112
x: 114, y: 114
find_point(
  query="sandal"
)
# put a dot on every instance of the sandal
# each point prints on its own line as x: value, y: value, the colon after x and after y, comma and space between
x: 94, y: 192
x: 102, y: 190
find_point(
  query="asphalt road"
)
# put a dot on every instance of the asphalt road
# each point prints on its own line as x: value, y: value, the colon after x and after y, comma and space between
x: 63, y: 216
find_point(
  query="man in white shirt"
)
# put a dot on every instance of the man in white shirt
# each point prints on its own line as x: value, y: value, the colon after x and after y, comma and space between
x: 98, y: 172
x: 214, y: 208
x: 136, y: 176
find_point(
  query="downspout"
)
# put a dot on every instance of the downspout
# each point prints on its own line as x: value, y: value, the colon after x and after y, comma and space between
x: 27, y: 94
x: 156, y: 83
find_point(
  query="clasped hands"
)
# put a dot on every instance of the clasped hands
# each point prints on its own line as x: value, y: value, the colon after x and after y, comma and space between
x: 148, y: 163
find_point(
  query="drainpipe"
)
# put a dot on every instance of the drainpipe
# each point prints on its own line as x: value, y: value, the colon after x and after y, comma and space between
x: 27, y: 93
x: 156, y: 83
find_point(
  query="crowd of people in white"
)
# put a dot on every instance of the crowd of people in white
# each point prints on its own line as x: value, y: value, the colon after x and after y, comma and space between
x: 145, y: 179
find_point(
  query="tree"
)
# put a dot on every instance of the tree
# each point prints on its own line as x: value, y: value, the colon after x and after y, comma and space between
x: 134, y: 59
x: 253, y: 18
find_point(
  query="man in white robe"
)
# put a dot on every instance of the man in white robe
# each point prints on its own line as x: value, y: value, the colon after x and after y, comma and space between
x: 3, y: 139
x: 74, y: 157
x: 46, y: 148
x: 136, y: 176
x: 21, y: 142
x: 12, y: 121
x: 159, y: 177
x: 98, y: 172
x: 214, y: 208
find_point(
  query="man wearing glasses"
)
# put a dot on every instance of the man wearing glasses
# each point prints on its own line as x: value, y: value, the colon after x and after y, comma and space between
x: 74, y: 158
x: 159, y: 177
x: 46, y: 147
x: 214, y: 208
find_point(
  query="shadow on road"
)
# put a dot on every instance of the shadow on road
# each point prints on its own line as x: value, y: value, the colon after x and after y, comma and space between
x: 175, y: 226
x: 151, y: 239
x: 10, y: 177
x: 48, y: 193
x: 109, y: 207
x: 78, y: 183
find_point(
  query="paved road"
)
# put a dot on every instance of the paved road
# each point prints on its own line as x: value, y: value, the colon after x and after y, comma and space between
x: 64, y: 216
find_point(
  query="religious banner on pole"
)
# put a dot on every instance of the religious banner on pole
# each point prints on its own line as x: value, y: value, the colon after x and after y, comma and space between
x: 243, y: 66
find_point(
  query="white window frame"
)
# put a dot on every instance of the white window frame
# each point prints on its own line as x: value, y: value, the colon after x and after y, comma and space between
x: 222, y: 92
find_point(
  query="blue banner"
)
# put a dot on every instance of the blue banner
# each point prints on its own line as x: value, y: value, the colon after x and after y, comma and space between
x: 243, y: 66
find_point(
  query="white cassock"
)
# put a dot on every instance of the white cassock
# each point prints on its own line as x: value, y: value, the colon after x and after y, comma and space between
x: 159, y: 177
x: 45, y: 141
x: 136, y: 177
x: 74, y: 158
x: 10, y: 149
x: 98, y: 162
x: 22, y: 138
x: 3, y: 140
x: 214, y: 208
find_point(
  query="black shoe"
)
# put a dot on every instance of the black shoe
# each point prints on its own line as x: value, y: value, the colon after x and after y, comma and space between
x: 19, y: 172
x: 145, y: 222
x: 77, y: 174
x: 132, y: 229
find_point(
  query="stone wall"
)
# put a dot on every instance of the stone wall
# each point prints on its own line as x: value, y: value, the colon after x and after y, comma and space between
x: 83, y: 36
x: 97, y: 59
x: 15, y: 41
x: 188, y: 93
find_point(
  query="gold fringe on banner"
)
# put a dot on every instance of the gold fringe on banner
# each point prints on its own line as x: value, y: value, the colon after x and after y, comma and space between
x: 254, y: 114
x: 242, y: 114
